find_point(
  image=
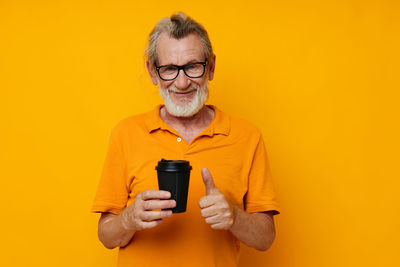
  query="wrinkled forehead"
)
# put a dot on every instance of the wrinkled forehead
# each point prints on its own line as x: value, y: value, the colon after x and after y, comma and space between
x: 179, y: 51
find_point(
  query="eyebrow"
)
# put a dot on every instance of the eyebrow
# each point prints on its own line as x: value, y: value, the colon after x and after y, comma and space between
x: 189, y: 62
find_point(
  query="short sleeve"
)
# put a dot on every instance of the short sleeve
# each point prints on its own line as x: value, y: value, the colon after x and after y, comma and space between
x: 260, y: 196
x: 112, y: 193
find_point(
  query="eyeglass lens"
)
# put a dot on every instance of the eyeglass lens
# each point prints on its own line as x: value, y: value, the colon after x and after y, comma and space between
x: 194, y: 70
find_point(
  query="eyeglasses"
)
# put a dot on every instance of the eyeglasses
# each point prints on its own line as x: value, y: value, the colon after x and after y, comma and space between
x: 192, y: 70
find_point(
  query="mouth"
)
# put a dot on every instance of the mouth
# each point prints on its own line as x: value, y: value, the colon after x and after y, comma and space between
x: 183, y: 93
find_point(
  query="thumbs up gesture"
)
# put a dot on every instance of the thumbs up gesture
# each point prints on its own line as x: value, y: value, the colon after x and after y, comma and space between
x: 215, y: 208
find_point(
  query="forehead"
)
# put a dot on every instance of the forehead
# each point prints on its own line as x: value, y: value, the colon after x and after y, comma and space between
x: 179, y: 51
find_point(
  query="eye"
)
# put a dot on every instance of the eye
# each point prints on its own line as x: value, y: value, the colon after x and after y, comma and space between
x: 191, y: 67
x: 169, y: 68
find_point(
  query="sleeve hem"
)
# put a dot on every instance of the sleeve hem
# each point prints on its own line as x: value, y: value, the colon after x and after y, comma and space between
x: 261, y: 208
x: 102, y: 208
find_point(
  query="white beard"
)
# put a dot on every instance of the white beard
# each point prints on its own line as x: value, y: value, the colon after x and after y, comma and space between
x: 191, y: 107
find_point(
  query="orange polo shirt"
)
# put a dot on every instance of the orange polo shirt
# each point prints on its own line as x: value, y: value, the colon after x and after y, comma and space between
x: 231, y: 148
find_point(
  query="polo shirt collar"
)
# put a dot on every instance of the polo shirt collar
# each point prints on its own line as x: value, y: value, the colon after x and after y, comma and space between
x: 219, y: 125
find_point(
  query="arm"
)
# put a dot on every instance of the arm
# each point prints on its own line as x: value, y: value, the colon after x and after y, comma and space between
x: 256, y: 230
x: 111, y: 231
x: 118, y: 230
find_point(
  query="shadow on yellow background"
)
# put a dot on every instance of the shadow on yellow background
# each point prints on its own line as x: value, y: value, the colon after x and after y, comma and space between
x: 319, y: 78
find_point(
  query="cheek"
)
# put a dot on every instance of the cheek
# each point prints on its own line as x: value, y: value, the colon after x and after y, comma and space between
x: 164, y: 84
x: 199, y: 82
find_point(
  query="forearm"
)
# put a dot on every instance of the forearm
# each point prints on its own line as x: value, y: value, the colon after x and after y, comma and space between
x: 256, y: 230
x: 112, y: 232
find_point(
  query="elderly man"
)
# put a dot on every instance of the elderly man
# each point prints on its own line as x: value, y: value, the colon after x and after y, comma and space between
x: 231, y: 198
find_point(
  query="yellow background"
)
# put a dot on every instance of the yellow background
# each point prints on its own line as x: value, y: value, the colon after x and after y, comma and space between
x: 319, y: 78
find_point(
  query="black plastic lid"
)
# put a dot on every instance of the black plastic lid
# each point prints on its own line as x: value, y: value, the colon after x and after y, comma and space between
x: 173, y: 166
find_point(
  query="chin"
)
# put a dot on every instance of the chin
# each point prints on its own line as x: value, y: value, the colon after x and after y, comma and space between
x: 190, y: 108
x: 183, y: 111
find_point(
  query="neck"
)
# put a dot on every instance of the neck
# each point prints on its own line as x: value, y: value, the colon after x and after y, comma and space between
x: 200, y: 120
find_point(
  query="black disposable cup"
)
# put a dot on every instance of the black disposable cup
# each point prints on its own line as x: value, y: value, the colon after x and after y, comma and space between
x: 173, y: 176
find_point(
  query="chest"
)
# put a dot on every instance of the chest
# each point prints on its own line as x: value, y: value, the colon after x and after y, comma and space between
x: 227, y: 163
x: 188, y: 134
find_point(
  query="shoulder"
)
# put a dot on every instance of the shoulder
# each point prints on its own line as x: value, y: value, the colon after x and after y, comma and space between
x: 132, y: 124
x: 239, y: 124
x: 246, y: 131
x: 240, y: 127
x: 243, y: 125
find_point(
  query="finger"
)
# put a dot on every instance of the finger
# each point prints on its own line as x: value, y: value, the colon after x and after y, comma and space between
x: 213, y: 219
x: 208, y: 212
x: 218, y: 226
x: 146, y: 225
x: 207, y: 201
x: 153, y: 204
x: 208, y: 181
x: 149, y: 216
x: 155, y: 194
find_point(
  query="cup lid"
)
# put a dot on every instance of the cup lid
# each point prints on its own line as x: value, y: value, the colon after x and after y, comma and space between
x: 173, y: 165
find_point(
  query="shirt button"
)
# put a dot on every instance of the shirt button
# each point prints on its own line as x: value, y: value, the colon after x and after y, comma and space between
x: 178, y: 139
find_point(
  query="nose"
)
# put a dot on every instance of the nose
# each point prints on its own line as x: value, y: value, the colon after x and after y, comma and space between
x: 182, y: 81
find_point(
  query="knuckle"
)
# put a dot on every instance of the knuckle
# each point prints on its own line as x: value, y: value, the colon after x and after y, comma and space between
x: 145, y: 217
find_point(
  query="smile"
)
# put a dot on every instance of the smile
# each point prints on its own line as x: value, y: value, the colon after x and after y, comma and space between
x: 183, y: 93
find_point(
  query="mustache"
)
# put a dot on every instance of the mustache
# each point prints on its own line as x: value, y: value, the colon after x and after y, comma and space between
x: 176, y: 90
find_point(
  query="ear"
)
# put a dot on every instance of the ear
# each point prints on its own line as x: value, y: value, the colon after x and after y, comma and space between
x: 212, y: 68
x: 152, y: 72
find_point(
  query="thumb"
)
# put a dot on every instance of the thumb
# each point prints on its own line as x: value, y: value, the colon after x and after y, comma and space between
x: 208, y: 181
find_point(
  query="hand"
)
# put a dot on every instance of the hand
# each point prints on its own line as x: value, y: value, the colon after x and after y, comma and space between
x: 141, y: 214
x: 215, y: 208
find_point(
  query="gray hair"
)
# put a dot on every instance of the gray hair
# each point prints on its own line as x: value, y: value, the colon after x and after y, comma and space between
x: 178, y: 26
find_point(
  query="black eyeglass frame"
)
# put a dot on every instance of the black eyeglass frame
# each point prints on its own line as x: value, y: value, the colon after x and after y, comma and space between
x: 182, y: 67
